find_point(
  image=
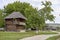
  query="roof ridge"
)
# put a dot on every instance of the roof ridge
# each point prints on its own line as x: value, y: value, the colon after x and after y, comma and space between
x: 15, y: 15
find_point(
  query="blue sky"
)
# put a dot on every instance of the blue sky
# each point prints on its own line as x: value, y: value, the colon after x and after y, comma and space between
x: 37, y: 4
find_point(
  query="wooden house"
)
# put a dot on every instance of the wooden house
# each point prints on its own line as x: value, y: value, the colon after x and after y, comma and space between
x: 15, y: 22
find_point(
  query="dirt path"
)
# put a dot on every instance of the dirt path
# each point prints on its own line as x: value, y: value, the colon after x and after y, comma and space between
x: 39, y: 37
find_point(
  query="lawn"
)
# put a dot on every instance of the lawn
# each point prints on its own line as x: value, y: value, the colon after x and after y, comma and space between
x: 54, y: 38
x: 19, y: 35
x: 47, y: 32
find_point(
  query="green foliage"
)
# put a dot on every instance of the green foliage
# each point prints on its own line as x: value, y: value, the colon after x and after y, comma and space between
x: 45, y: 12
x: 1, y: 18
x: 34, y: 18
x: 27, y: 10
x: 16, y: 6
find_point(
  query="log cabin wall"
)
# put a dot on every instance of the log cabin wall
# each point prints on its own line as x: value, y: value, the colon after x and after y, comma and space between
x: 9, y: 21
x: 11, y: 27
x: 11, y: 24
x: 20, y: 27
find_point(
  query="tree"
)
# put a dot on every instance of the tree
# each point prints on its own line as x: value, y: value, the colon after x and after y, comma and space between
x: 1, y: 18
x: 26, y: 9
x: 17, y: 6
x: 34, y: 18
x: 45, y: 12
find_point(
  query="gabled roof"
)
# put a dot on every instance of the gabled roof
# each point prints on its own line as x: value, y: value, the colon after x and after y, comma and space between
x: 15, y: 15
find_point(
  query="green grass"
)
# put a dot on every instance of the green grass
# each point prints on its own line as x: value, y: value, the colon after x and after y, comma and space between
x: 19, y: 35
x: 14, y: 35
x: 47, y: 32
x: 53, y: 38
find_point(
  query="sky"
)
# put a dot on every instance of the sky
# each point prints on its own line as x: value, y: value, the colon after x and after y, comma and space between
x: 37, y: 4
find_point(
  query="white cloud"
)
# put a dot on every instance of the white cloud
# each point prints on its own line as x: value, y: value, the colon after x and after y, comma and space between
x: 5, y: 2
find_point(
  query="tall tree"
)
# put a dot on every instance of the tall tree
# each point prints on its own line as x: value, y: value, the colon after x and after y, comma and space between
x: 34, y: 18
x: 26, y: 9
x: 17, y: 6
x: 1, y: 18
x: 45, y: 12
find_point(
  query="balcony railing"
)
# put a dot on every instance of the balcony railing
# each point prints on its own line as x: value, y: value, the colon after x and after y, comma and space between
x: 15, y: 22
x: 19, y: 23
x: 22, y: 23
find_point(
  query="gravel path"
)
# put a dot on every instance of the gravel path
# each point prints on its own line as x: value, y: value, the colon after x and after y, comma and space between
x: 39, y: 37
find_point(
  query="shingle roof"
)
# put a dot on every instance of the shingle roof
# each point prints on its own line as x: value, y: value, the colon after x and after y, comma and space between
x: 15, y: 15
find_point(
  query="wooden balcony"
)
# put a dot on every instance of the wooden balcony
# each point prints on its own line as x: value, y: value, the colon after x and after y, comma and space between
x: 22, y: 23
x: 19, y: 23
x: 9, y: 22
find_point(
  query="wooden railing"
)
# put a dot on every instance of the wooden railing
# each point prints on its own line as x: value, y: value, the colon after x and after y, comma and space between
x: 22, y: 23
x: 19, y: 23
x: 15, y: 22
